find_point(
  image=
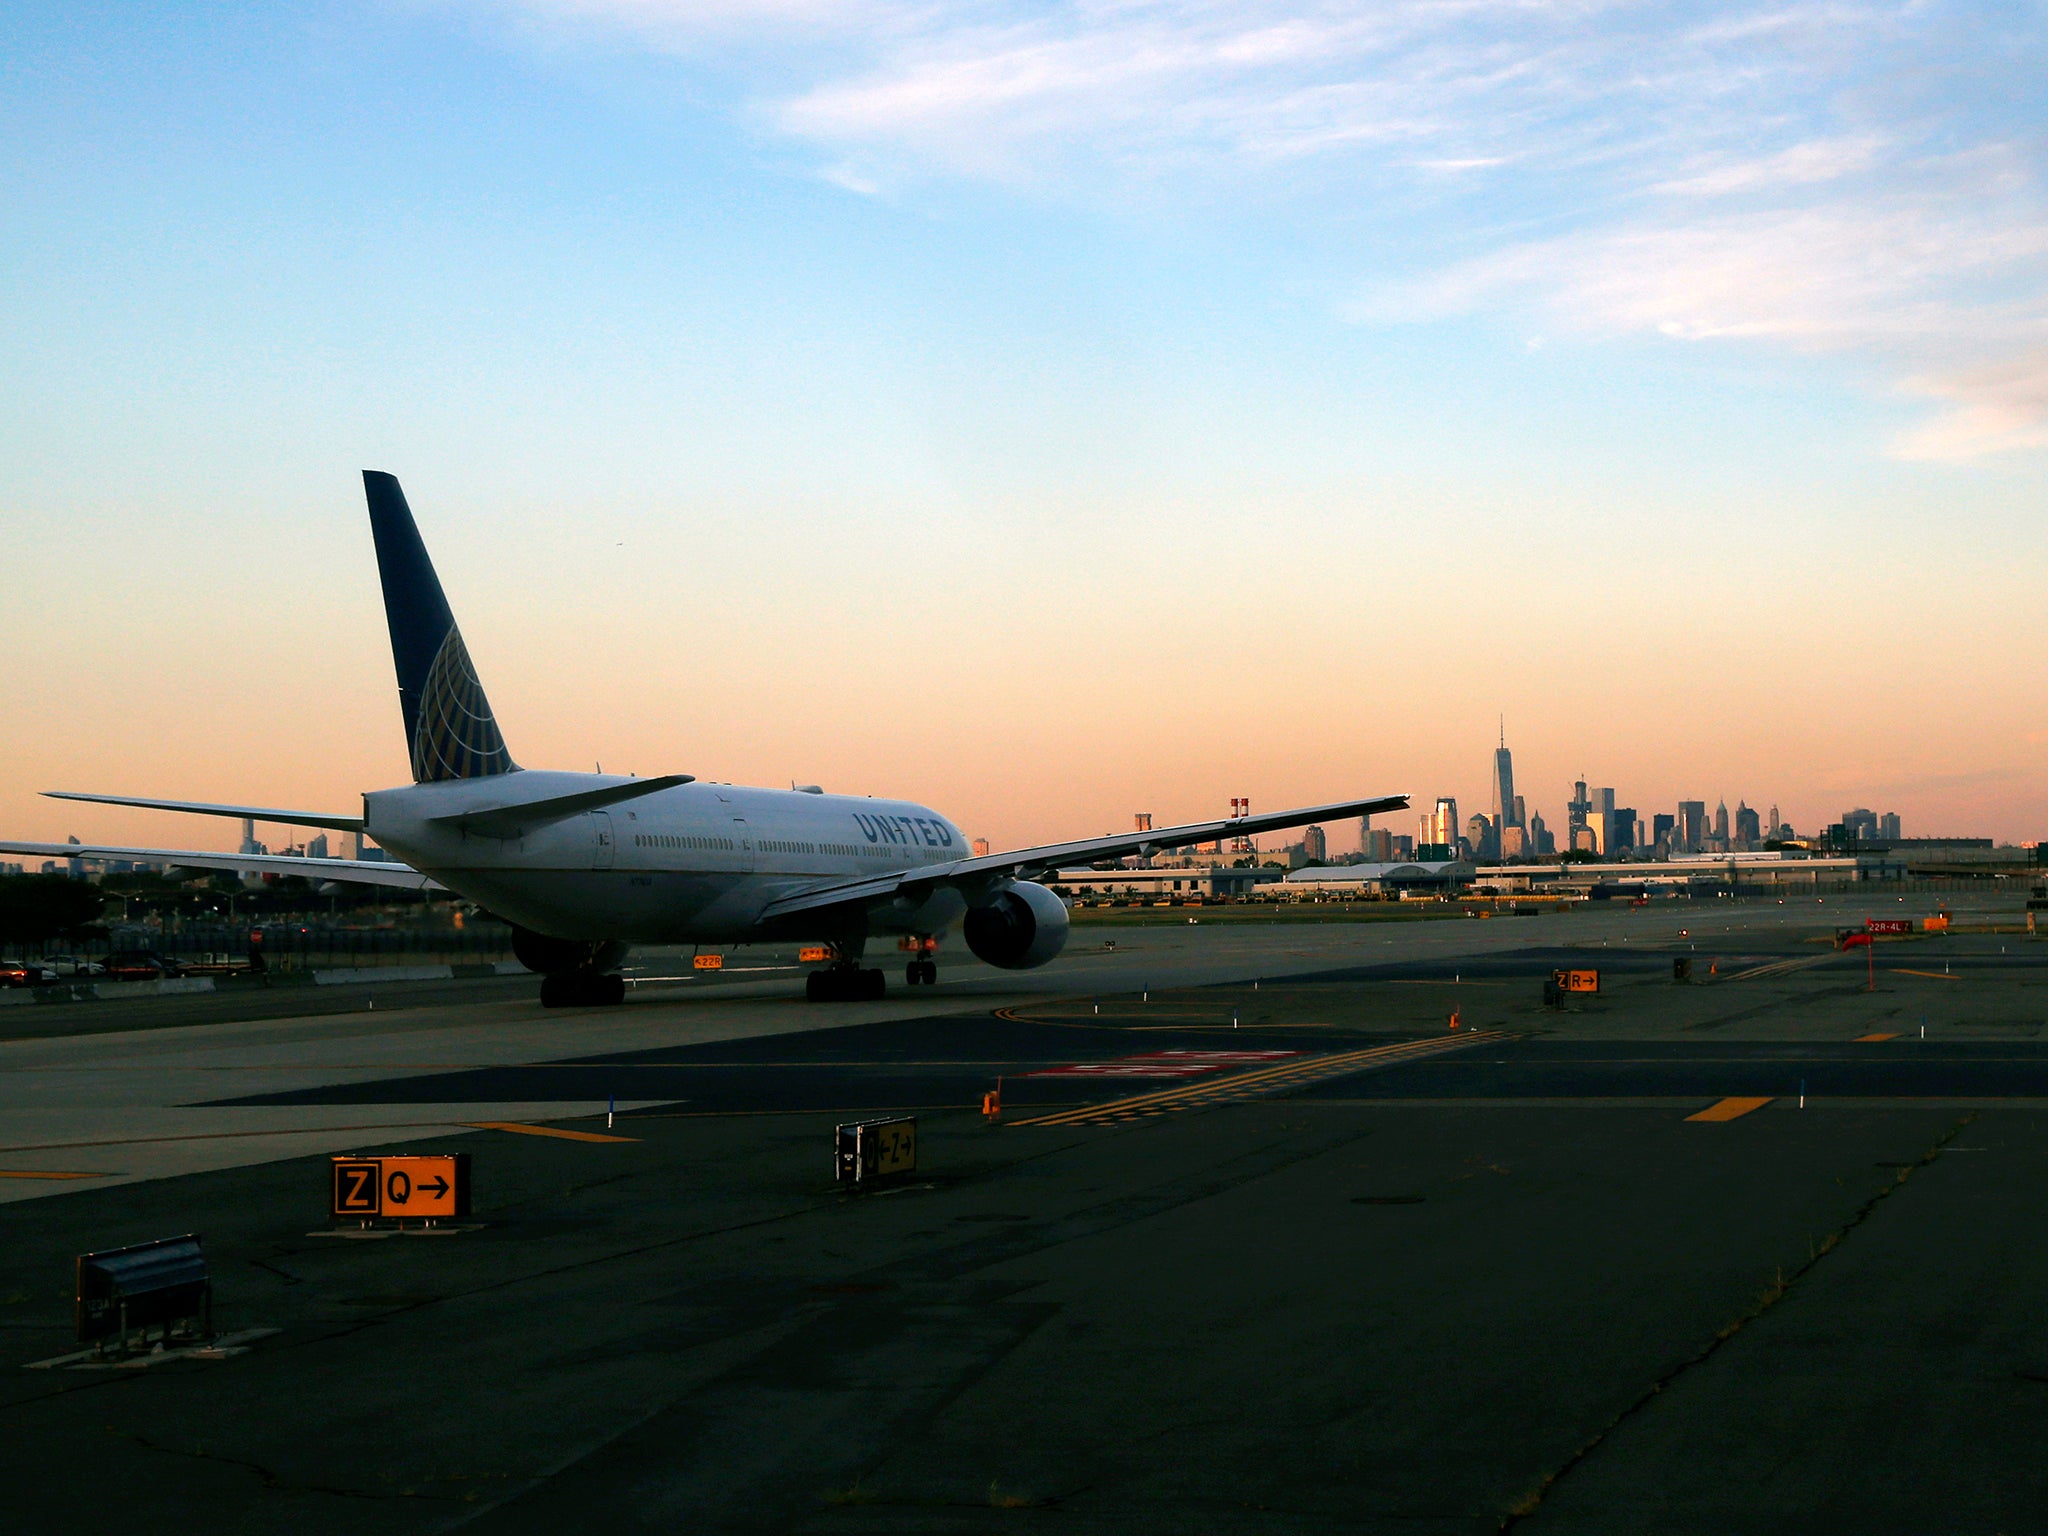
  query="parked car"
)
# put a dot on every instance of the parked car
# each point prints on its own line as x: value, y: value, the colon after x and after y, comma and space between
x: 140, y: 965
x: 25, y: 973
x: 74, y: 965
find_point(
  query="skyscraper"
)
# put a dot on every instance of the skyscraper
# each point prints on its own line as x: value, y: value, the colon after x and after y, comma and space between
x: 1692, y: 825
x: 1484, y: 837
x: 1748, y: 825
x: 1443, y: 826
x: 1576, y: 808
x: 1505, y: 812
x: 1721, y: 824
x: 1315, y: 844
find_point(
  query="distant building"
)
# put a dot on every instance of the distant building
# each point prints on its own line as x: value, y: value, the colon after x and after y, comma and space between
x: 1663, y: 829
x: 1441, y: 825
x: 1692, y: 825
x: 1888, y: 827
x: 1541, y: 839
x: 1420, y: 875
x: 1505, y: 811
x: 1515, y: 844
x: 1483, y: 836
x: 1379, y: 845
x: 1860, y: 823
x: 1578, y: 808
x: 1403, y: 848
x: 316, y: 847
x: 249, y: 843
x: 1621, y: 821
x: 1749, y: 827
x: 1313, y: 843
x: 980, y: 847
x: 1721, y: 824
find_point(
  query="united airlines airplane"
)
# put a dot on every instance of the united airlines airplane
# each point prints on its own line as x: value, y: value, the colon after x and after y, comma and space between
x: 584, y: 865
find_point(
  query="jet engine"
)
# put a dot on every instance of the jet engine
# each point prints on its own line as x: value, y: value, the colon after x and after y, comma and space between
x: 1025, y: 926
x: 551, y: 957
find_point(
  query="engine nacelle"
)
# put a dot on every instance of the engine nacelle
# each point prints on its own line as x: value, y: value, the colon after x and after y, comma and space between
x: 550, y: 957
x: 1024, y: 926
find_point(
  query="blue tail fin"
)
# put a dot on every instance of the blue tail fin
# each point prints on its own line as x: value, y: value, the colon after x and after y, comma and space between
x: 448, y: 721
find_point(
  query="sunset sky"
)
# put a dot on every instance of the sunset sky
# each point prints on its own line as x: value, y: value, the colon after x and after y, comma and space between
x: 1044, y: 412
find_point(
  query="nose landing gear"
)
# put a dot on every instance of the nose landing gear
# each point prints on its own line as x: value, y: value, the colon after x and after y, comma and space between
x: 922, y: 973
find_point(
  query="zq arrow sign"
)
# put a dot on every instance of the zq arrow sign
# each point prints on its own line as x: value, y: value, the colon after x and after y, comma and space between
x: 405, y: 1188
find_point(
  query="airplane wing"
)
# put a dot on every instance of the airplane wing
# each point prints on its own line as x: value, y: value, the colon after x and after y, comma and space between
x: 1032, y: 863
x: 347, y: 871
x: 204, y: 808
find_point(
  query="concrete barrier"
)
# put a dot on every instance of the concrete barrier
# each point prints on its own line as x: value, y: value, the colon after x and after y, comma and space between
x: 348, y: 975
x: 87, y: 991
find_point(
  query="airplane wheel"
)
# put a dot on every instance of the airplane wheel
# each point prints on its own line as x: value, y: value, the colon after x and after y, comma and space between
x: 872, y: 986
x: 817, y: 988
x: 913, y: 973
x: 557, y: 991
x: 931, y: 973
x: 611, y: 990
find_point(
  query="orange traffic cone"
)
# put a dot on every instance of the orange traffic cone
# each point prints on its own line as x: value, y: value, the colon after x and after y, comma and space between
x: 992, y: 1102
x: 1454, y: 1018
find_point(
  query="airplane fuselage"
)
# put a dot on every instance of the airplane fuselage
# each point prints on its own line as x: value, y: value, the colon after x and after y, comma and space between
x: 695, y: 864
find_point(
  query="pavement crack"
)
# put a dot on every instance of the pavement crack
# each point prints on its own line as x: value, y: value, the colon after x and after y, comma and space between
x: 1780, y: 1287
x: 272, y: 1481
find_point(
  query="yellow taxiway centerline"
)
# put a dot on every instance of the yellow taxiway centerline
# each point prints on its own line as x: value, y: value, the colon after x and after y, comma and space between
x: 542, y: 1130
x: 37, y: 1173
x: 1263, y: 1080
x: 1729, y: 1109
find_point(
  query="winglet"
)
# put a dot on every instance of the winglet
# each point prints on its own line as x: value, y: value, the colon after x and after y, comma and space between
x: 449, y: 727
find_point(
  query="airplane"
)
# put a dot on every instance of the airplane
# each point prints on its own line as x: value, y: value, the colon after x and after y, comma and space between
x: 584, y: 865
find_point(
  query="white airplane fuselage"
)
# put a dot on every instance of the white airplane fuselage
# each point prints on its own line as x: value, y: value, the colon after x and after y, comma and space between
x: 695, y: 864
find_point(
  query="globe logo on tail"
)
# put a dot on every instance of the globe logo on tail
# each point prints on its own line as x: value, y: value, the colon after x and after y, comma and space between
x: 456, y: 737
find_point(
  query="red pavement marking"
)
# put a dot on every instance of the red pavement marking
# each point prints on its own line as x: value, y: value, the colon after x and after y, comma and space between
x: 1164, y: 1064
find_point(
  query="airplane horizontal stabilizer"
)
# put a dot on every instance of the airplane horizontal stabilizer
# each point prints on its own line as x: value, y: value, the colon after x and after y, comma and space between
x: 347, y: 871
x: 508, y: 821
x: 241, y: 812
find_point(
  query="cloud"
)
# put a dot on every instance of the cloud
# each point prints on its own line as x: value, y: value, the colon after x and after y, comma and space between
x: 1800, y: 165
x: 1855, y: 179
x: 1999, y: 408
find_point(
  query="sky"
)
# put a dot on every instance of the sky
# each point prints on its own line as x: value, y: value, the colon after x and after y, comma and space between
x: 1045, y: 412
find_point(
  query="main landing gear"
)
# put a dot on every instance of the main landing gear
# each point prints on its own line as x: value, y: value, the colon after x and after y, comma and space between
x: 845, y: 983
x: 582, y: 989
x: 922, y: 973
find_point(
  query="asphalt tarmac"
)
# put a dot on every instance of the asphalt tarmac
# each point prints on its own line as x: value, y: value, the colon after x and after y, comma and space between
x: 1258, y: 1243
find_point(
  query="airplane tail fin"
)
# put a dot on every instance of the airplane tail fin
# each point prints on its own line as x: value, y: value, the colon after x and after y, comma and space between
x: 449, y: 726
